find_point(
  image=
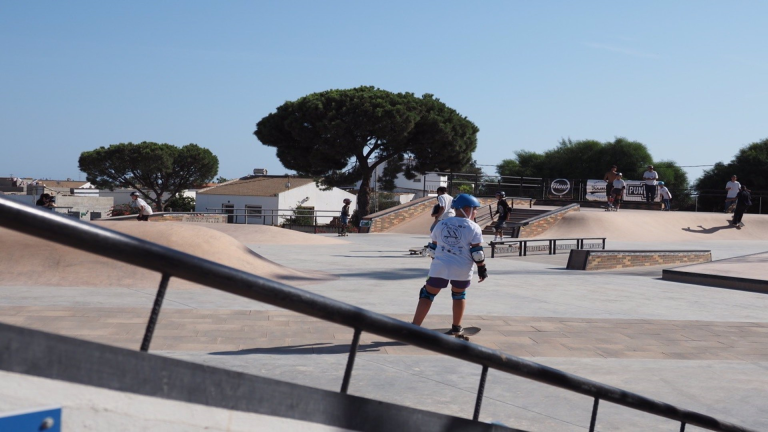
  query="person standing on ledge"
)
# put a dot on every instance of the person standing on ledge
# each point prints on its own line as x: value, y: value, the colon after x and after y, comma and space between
x: 456, y: 249
x: 650, y: 178
x: 446, y: 210
x: 145, y: 211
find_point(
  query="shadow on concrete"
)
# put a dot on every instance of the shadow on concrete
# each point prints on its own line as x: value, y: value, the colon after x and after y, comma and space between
x: 709, y: 230
x: 316, y: 348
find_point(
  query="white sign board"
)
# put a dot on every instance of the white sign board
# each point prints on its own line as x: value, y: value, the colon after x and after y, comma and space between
x: 635, y: 191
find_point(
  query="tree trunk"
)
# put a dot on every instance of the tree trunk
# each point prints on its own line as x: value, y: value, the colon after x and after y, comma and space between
x: 364, y: 195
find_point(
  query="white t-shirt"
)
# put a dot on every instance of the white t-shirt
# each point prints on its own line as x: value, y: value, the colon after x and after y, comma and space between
x: 734, y: 189
x: 665, y: 193
x: 144, y: 209
x: 619, y: 184
x: 454, y: 237
x: 650, y: 177
x: 445, y: 202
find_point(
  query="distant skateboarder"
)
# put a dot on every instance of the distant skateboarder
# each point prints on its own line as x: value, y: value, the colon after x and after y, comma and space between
x: 344, y: 217
x: 456, y: 249
x: 743, y: 201
x: 618, y: 192
x: 666, y: 195
x: 446, y: 210
x: 609, y: 177
x: 502, y: 209
x: 732, y: 189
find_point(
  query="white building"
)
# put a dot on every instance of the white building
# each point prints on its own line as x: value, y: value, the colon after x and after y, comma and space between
x: 270, y: 199
x: 420, y: 186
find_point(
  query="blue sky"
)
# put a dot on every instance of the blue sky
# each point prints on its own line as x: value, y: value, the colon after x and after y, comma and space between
x: 687, y: 78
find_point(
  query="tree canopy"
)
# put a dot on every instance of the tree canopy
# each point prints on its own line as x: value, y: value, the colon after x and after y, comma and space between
x: 590, y: 159
x: 339, y: 137
x: 160, y: 168
x: 750, y: 165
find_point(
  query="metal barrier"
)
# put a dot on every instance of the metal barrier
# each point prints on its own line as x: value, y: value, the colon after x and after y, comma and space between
x: 522, y: 245
x: 172, y: 263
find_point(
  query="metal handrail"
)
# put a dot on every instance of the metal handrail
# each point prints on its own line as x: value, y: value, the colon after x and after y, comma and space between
x: 173, y: 263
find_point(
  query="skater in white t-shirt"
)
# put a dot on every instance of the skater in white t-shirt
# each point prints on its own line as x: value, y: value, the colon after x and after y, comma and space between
x: 455, y: 249
x: 444, y: 202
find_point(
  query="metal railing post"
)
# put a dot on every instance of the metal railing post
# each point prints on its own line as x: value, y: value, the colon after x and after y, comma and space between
x: 351, y: 360
x: 593, y: 421
x: 480, y: 391
x: 155, y: 314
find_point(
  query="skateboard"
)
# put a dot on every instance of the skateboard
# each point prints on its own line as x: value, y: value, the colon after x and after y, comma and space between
x: 468, y: 331
x: 739, y: 225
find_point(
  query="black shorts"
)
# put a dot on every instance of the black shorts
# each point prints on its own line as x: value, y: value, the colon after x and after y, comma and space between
x: 142, y: 217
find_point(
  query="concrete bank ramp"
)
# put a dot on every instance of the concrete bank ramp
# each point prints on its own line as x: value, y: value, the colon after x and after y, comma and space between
x: 644, y: 225
x: 29, y: 261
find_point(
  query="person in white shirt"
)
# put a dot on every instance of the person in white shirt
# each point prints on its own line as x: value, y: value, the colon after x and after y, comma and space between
x: 455, y: 249
x: 732, y: 187
x: 665, y: 194
x: 144, y: 209
x: 618, y: 191
x: 446, y: 210
x: 650, y: 178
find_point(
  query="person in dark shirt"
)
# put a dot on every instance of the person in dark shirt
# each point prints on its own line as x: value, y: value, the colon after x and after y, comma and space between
x: 345, y: 217
x: 502, y: 209
x: 743, y: 201
x: 46, y: 201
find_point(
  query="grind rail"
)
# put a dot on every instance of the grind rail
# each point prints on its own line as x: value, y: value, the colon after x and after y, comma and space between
x: 172, y: 263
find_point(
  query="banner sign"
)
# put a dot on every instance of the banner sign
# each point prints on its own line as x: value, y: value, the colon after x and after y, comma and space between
x: 560, y: 189
x: 635, y: 191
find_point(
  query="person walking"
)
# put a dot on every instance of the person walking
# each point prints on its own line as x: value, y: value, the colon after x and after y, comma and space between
x: 145, y: 211
x: 609, y: 177
x: 665, y: 194
x: 503, y: 210
x: 344, y: 217
x: 456, y: 249
x: 446, y: 210
x: 732, y: 188
x: 618, y: 192
x: 743, y: 201
x: 650, y: 177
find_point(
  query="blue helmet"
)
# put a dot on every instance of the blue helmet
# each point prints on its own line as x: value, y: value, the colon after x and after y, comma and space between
x: 465, y: 200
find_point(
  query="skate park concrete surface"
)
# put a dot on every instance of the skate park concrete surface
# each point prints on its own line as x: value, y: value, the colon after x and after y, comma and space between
x: 698, y: 347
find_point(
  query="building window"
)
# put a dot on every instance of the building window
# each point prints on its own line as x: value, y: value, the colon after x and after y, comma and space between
x: 253, y: 211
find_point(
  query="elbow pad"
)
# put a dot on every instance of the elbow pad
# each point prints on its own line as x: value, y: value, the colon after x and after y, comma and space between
x: 478, y: 255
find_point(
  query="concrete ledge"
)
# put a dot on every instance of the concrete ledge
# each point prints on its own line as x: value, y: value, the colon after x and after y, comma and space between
x: 730, y: 282
x: 613, y: 260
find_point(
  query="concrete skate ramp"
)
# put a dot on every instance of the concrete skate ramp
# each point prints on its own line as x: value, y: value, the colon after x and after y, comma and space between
x: 657, y: 226
x: 265, y: 234
x: 416, y: 225
x: 30, y: 261
x: 745, y: 273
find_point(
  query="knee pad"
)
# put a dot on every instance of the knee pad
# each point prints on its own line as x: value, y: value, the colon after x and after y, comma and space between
x: 459, y: 295
x: 424, y: 294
